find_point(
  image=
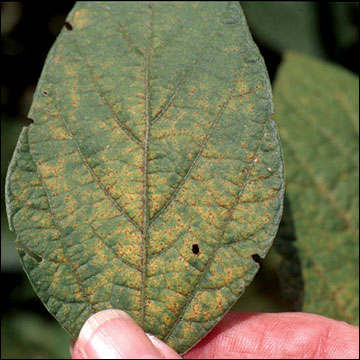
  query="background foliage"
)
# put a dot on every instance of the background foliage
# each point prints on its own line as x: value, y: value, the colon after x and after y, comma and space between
x: 328, y: 31
x: 317, y: 115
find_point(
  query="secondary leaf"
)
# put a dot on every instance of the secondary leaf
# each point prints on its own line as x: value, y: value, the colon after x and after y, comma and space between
x: 284, y: 26
x: 152, y: 172
x: 317, y: 107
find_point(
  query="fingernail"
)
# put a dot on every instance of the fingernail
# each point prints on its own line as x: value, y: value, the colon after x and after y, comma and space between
x: 112, y: 334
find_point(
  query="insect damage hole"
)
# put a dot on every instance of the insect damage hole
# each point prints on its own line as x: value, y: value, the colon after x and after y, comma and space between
x: 68, y: 26
x: 195, y: 249
x: 256, y: 258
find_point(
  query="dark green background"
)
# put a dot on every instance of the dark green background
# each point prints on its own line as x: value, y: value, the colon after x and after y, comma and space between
x: 325, y: 30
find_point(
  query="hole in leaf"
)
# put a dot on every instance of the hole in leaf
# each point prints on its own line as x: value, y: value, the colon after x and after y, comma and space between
x: 45, y: 93
x: 68, y: 26
x: 256, y: 258
x: 195, y: 249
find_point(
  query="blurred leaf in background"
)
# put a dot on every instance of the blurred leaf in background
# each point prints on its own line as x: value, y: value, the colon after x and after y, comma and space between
x: 268, y: 19
x: 328, y: 30
x: 318, y: 119
x: 344, y: 15
x: 25, y: 335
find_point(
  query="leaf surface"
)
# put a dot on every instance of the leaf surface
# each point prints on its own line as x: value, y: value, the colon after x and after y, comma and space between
x: 318, y: 117
x: 286, y: 26
x: 152, y: 172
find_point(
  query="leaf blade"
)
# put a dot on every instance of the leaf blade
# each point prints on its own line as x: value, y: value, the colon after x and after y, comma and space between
x: 144, y: 156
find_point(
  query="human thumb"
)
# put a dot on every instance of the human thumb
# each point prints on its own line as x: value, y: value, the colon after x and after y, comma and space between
x: 113, y: 334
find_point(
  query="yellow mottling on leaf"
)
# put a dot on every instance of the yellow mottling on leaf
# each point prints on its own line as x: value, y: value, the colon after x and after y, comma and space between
x: 231, y: 48
x: 58, y: 133
x: 192, y: 89
x: 79, y: 297
x: 213, y: 301
x: 81, y: 18
x: 249, y: 109
x: 121, y: 202
x: 106, y: 213
x: 47, y: 170
x: 166, y: 320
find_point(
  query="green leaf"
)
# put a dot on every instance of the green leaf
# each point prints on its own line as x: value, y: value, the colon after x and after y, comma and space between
x: 317, y: 111
x: 152, y: 172
x: 31, y: 336
x: 284, y: 26
x: 346, y: 30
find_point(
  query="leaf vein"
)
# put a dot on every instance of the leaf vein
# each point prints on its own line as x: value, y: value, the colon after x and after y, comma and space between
x: 124, y: 35
x: 57, y: 227
x: 94, y: 176
x: 193, y: 163
x: 186, y: 76
x: 322, y: 189
x: 212, y: 255
x: 102, y: 96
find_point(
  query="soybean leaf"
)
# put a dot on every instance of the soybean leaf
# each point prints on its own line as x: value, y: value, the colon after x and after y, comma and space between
x: 268, y: 19
x: 152, y: 172
x: 318, y: 116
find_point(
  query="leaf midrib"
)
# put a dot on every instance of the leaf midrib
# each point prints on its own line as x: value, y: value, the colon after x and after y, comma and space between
x: 145, y: 206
